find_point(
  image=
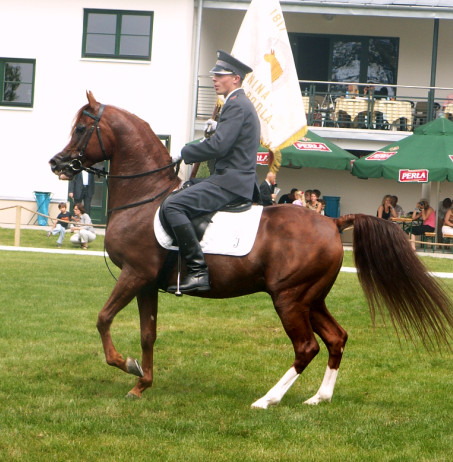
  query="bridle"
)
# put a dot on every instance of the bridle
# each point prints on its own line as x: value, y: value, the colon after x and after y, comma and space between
x: 76, y: 165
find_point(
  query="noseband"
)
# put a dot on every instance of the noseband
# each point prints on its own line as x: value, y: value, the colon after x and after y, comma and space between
x: 76, y: 164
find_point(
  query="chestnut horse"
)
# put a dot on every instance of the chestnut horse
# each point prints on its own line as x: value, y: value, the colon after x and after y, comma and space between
x: 296, y: 269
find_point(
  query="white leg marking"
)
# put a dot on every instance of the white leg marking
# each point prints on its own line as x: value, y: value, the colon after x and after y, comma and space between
x: 325, y: 391
x: 275, y: 394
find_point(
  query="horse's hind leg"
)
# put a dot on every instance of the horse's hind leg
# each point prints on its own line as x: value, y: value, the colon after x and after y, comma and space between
x: 296, y: 321
x: 147, y: 305
x: 124, y: 291
x: 334, y: 337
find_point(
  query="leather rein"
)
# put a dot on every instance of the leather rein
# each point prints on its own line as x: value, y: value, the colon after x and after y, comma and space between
x: 77, y: 166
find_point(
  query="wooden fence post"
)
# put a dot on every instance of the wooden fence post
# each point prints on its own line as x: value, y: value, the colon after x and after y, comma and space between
x: 17, y: 230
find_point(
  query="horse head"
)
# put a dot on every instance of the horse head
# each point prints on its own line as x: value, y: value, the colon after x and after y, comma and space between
x: 83, y: 149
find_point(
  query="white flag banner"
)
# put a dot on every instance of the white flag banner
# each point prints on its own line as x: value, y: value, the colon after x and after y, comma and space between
x: 273, y: 87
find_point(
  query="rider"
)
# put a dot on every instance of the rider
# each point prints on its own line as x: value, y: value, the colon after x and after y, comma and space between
x: 233, y: 147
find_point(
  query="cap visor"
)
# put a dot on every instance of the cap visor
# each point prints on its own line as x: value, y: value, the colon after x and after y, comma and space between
x: 220, y: 70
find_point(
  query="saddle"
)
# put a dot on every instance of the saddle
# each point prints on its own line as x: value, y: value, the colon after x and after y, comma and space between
x: 202, y: 222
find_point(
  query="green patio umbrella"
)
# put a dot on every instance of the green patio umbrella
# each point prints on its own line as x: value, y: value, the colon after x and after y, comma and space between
x: 426, y: 155
x: 312, y: 151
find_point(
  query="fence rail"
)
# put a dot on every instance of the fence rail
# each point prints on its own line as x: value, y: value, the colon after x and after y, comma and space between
x: 17, y: 227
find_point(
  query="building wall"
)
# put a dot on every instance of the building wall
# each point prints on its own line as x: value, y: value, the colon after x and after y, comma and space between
x: 50, y: 31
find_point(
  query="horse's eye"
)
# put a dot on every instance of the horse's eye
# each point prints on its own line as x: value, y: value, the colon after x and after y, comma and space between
x: 80, y: 129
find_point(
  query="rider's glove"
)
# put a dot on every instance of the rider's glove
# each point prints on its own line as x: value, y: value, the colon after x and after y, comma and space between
x: 211, y: 125
x: 176, y: 157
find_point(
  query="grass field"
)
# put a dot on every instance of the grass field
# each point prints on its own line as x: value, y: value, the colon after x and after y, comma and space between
x: 61, y: 402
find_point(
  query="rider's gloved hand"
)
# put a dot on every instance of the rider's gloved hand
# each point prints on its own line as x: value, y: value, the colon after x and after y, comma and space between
x: 211, y: 126
x: 176, y: 157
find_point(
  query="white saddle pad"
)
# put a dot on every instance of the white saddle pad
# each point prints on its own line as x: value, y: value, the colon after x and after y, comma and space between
x: 228, y: 234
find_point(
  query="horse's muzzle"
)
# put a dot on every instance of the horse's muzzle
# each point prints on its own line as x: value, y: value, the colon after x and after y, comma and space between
x: 62, y: 167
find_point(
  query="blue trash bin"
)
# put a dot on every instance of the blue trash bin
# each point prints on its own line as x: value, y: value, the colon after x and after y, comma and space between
x: 332, y: 206
x: 43, y: 201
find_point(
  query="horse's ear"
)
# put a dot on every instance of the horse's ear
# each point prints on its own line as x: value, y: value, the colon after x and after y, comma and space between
x: 91, y: 98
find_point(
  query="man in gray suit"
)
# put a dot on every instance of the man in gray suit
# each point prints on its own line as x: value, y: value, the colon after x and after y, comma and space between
x: 233, y: 147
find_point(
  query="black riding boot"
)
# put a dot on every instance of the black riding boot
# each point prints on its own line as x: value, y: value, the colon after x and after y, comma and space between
x: 197, y: 279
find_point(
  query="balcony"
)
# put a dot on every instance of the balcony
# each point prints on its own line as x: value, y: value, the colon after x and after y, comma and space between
x: 357, y: 116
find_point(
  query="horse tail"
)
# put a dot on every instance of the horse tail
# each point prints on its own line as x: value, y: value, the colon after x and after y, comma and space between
x: 392, y: 276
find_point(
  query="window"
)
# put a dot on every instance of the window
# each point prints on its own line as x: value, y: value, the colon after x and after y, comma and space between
x: 17, y: 81
x: 346, y: 59
x: 117, y: 34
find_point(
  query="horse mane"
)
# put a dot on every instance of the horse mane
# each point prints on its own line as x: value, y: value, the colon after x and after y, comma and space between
x: 79, y: 114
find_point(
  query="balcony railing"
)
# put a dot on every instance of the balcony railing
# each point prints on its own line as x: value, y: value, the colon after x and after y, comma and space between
x: 362, y: 106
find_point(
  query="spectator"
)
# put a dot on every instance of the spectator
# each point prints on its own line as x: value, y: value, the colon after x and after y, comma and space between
x: 447, y: 227
x: 383, y: 93
x: 81, y: 189
x: 428, y: 215
x: 83, y: 231
x: 307, y: 195
x: 267, y: 189
x: 288, y: 198
x: 299, y: 199
x: 61, y: 224
x: 386, y: 210
x: 398, y: 209
x: 444, y: 207
x: 353, y: 90
x: 314, y: 203
x: 323, y: 206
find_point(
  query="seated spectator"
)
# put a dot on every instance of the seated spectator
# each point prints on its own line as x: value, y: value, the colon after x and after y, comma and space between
x: 383, y: 93
x: 323, y: 206
x: 428, y: 215
x: 398, y: 209
x: 369, y: 89
x: 83, y: 231
x: 447, y: 227
x: 386, y: 210
x: 61, y: 224
x: 307, y: 195
x: 300, y: 199
x: 353, y: 90
x: 444, y: 207
x: 314, y: 203
x: 288, y: 198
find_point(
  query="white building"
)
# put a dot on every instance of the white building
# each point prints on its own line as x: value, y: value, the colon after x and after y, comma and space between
x: 162, y: 46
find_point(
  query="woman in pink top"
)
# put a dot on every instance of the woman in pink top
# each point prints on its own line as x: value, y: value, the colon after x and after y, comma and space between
x: 428, y: 215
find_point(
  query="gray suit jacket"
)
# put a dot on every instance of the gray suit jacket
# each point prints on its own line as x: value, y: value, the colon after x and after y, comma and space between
x: 233, y: 146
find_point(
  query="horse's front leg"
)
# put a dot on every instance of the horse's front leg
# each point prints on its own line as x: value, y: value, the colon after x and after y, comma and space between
x: 124, y: 291
x: 147, y: 306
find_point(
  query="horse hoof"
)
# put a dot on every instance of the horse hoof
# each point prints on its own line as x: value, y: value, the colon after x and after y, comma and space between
x: 132, y: 396
x: 133, y: 367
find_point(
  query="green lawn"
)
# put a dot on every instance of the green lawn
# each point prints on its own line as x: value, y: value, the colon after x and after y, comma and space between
x: 61, y: 402
x: 38, y: 238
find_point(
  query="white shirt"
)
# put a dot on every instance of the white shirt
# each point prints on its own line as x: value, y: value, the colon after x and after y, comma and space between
x: 85, y: 178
